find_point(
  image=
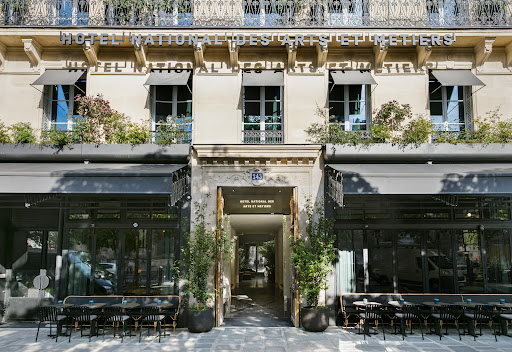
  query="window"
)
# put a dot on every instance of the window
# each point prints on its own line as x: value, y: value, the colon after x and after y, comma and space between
x: 347, y: 106
x: 263, y: 112
x: 445, y: 12
x: 62, y: 98
x: 72, y: 12
x: 171, y: 101
x: 448, y: 106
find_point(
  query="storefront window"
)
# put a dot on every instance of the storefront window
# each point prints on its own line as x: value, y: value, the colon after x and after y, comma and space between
x: 440, y: 262
x: 380, y: 261
x: 135, y: 262
x: 409, y: 261
x: 162, y: 262
x: 469, y: 261
x: 79, y: 262
x: 106, y: 273
x: 499, y: 267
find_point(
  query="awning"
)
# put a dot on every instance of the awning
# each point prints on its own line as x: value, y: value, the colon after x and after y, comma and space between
x: 457, y: 78
x: 352, y: 77
x: 262, y: 78
x: 421, y: 178
x: 168, y: 78
x: 55, y: 77
x: 88, y: 178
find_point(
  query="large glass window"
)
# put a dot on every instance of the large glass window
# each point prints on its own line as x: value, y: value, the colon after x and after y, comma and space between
x: 440, y: 262
x: 409, y: 261
x: 79, y: 262
x: 135, y: 262
x: 162, y: 262
x: 469, y: 261
x: 106, y: 270
x: 63, y: 104
x: 347, y: 106
x: 380, y: 261
x: 447, y: 107
x: 499, y: 266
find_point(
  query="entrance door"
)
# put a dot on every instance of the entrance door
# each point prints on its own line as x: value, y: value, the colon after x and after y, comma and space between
x: 294, y: 229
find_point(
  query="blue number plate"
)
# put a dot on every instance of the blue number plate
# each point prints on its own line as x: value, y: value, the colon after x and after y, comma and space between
x: 257, y: 176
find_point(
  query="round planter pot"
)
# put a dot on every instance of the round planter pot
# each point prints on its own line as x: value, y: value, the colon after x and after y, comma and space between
x: 200, y: 320
x: 315, y: 320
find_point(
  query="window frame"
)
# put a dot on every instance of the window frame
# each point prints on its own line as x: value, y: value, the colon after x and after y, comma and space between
x: 347, y: 126
x: 262, y: 102
x: 73, y: 91
x: 173, y: 102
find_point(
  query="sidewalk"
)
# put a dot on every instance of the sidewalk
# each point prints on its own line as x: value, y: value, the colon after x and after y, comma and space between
x: 20, y: 337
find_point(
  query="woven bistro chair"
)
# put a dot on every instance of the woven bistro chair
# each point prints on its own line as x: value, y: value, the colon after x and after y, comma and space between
x: 482, y: 313
x: 80, y: 317
x: 372, y: 313
x: 48, y: 314
x: 409, y: 312
x: 116, y: 317
x: 447, y: 313
x: 150, y: 316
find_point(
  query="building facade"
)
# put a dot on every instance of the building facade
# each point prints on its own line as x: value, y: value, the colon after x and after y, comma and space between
x: 254, y: 77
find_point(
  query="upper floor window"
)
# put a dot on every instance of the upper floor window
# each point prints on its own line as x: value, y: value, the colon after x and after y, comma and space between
x: 72, y: 12
x: 63, y: 105
x: 348, y: 105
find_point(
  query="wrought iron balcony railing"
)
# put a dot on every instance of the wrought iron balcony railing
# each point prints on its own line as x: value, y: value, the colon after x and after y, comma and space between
x: 262, y: 137
x: 258, y: 13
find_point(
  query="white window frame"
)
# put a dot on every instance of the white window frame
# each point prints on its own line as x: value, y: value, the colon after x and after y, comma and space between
x: 466, y: 106
x: 73, y: 91
x: 346, y: 106
x: 262, y: 102
x: 174, y: 103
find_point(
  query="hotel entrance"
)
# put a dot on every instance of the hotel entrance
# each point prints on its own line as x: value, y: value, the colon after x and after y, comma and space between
x: 259, y: 273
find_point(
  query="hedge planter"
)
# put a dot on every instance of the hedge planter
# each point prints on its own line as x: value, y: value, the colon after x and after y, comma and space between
x: 200, y: 320
x: 315, y: 320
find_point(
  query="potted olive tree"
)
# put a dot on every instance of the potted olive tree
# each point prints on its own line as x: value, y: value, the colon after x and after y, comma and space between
x: 203, y: 246
x: 312, y: 257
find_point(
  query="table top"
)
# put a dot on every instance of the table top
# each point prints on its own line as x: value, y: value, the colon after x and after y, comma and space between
x: 434, y: 304
x: 398, y: 304
x: 163, y: 305
x: 471, y: 305
x: 361, y: 303
x: 63, y: 305
x: 502, y: 305
x: 130, y: 305
x: 94, y: 306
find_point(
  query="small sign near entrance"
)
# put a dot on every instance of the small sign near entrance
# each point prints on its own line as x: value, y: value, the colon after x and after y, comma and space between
x: 257, y: 176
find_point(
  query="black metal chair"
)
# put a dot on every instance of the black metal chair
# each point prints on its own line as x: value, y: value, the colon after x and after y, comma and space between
x: 116, y: 316
x: 409, y: 312
x: 372, y: 313
x: 81, y: 316
x: 49, y: 314
x: 150, y: 316
x: 447, y: 313
x: 482, y: 313
x: 504, y: 317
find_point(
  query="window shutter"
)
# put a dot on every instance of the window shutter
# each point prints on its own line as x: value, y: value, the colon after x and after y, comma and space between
x: 468, y: 108
x: 47, y: 107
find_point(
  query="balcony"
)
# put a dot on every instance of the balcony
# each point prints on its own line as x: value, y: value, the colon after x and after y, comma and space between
x: 258, y: 13
x: 262, y: 137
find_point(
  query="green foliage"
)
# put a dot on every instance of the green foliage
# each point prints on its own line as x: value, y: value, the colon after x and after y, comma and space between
x: 203, y: 246
x: 312, y: 256
x: 173, y: 131
x: 392, y: 114
x: 4, y: 133
x: 58, y: 137
x: 417, y: 131
x: 23, y: 133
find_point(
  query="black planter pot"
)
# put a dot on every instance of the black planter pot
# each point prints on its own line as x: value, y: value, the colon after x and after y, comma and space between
x: 315, y: 320
x: 200, y: 320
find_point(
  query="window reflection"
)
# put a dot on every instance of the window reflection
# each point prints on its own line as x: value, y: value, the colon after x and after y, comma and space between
x: 162, y: 262
x: 105, y: 273
x: 409, y: 261
x: 498, y: 261
x: 79, y: 262
x: 380, y: 261
x: 135, y: 262
x: 469, y: 261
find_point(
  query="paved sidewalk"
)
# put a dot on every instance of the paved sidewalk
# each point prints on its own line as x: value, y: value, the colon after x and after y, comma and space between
x: 21, y: 338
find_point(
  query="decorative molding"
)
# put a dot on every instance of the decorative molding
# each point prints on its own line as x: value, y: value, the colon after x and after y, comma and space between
x: 482, y: 51
x: 91, y: 53
x: 380, y: 52
x: 423, y: 53
x: 321, y: 55
x: 508, y: 52
x: 291, y: 49
x: 199, y: 54
x: 3, y: 56
x: 33, y: 50
x: 233, y: 54
x: 141, y: 54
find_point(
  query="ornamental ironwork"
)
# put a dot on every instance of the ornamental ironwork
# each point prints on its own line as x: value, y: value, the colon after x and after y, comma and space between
x: 258, y: 13
x: 262, y: 137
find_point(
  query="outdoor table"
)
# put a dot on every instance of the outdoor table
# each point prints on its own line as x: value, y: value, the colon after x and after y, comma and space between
x: 64, y: 305
x: 397, y: 304
x: 127, y: 305
x: 162, y: 305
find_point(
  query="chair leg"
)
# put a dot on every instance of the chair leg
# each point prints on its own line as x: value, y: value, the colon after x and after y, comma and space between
x: 140, y: 333
x: 122, y: 335
x: 38, y: 327
x: 421, y: 329
x: 458, y: 330
x: 159, y: 330
x: 71, y: 329
x: 383, y: 330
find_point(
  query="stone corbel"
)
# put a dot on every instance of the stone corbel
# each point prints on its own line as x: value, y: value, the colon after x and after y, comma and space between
x: 482, y: 51
x: 321, y: 55
x: 292, y: 56
x: 423, y: 53
x: 3, y: 55
x: 508, y: 52
x: 199, y: 54
x: 233, y: 54
x: 380, y: 52
x: 141, y: 51
x: 91, y: 53
x: 33, y: 50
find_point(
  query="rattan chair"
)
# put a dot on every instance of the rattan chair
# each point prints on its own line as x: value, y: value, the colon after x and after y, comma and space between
x: 482, y: 313
x: 81, y: 316
x: 372, y: 313
x: 116, y: 316
x: 409, y: 312
x: 447, y: 313
x: 150, y: 316
x: 50, y: 314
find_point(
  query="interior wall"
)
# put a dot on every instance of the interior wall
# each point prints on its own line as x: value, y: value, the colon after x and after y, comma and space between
x: 286, y: 275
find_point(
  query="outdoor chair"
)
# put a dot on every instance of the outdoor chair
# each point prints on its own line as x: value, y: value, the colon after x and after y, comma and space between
x: 482, y: 313
x: 409, y: 313
x: 81, y: 316
x: 116, y: 317
x: 447, y: 313
x: 50, y: 315
x: 504, y: 316
x: 150, y: 316
x: 372, y: 313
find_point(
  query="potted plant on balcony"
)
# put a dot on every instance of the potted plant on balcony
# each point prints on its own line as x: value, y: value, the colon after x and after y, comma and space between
x: 202, y: 248
x: 312, y: 258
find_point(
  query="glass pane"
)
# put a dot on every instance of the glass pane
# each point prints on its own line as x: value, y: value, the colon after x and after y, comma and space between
x: 359, y: 262
x: 336, y: 112
x: 252, y: 109
x: 454, y: 93
x: 440, y: 262
x: 105, y: 273
x: 273, y: 119
x: 164, y: 93
x: 162, y: 261
x: 272, y: 108
x: 61, y: 92
x: 436, y: 118
x: 380, y: 261
x: 498, y: 261
x: 162, y: 110
x: 436, y: 111
x: 252, y: 93
x: 184, y: 109
x: 184, y: 93
x: 336, y: 93
x: 356, y: 93
x: 252, y: 127
x: 135, y: 262
x: 409, y: 262
x: 496, y: 209
x: 435, y: 91
x: 272, y: 93
x: 469, y: 261
x: 346, y: 259
x: 29, y: 250
x: 272, y: 127
x: 455, y: 112
x: 357, y: 108
x: 79, y: 262
x: 51, y: 255
x: 251, y: 118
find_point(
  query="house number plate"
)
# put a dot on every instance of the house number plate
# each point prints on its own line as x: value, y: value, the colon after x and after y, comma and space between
x: 257, y: 176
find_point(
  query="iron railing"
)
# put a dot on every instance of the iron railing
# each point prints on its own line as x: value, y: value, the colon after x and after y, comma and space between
x: 262, y: 137
x: 257, y: 13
